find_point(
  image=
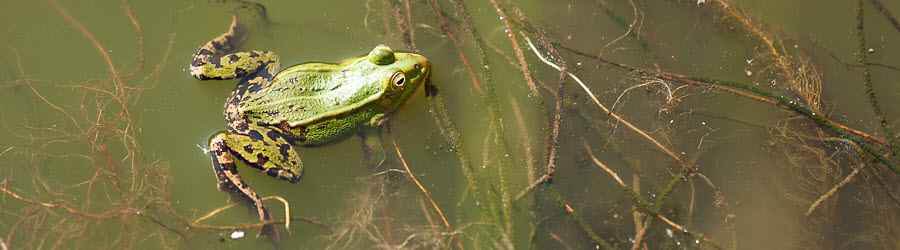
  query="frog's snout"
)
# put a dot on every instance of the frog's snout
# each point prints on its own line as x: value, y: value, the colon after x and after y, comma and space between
x: 424, y: 69
x: 422, y: 65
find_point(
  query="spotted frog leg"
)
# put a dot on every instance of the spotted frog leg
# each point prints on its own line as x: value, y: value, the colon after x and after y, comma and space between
x: 263, y: 148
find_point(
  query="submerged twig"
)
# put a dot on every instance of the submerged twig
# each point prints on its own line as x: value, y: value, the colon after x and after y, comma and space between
x: 109, y: 214
x: 551, y: 143
x: 425, y: 192
x: 606, y: 110
x: 601, y: 165
x: 523, y: 65
x: 446, y: 28
x: 641, y: 220
x: 833, y: 190
x: 287, y: 211
x: 578, y: 219
x: 627, y: 31
x: 644, y: 204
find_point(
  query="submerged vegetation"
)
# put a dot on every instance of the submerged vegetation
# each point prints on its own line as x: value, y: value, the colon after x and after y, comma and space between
x: 591, y: 141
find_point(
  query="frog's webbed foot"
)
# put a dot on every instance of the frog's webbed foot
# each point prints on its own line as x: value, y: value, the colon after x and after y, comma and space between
x: 258, y: 7
x: 373, y: 151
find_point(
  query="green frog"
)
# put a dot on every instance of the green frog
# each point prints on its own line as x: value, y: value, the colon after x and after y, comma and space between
x: 307, y: 105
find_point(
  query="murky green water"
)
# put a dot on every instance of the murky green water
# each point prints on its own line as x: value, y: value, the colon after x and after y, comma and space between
x: 104, y: 132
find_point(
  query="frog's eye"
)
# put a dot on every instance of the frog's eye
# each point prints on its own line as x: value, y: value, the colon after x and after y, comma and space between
x: 398, y: 80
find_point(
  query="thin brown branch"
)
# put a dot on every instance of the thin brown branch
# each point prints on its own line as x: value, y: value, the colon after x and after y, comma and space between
x: 523, y: 65
x: 630, y: 191
x: 102, y: 216
x: 687, y: 79
x: 425, y: 192
x: 140, y: 36
x: 445, y: 27
x: 109, y: 63
x: 627, y: 32
x: 609, y: 112
x: 833, y: 190
x: 38, y: 94
x: 641, y: 221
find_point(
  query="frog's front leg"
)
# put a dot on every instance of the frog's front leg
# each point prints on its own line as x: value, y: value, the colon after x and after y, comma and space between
x: 212, y: 62
x: 373, y: 151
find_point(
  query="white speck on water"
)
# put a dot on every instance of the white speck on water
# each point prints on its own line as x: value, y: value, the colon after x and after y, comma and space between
x: 671, y: 121
x: 669, y: 232
x: 205, y: 150
x: 237, y: 234
x: 749, y: 73
x: 871, y: 50
x: 749, y: 61
x: 699, y: 2
x: 702, y: 123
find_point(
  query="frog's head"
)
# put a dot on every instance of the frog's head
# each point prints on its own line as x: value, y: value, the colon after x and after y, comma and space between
x: 404, y: 73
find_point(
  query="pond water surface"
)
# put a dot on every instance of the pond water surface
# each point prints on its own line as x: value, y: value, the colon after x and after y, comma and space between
x: 734, y: 124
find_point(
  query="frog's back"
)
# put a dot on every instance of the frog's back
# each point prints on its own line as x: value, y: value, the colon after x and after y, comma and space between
x: 312, y: 92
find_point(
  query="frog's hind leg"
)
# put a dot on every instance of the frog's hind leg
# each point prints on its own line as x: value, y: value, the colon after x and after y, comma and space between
x: 211, y: 62
x: 266, y: 150
x: 263, y: 149
x: 231, y: 181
